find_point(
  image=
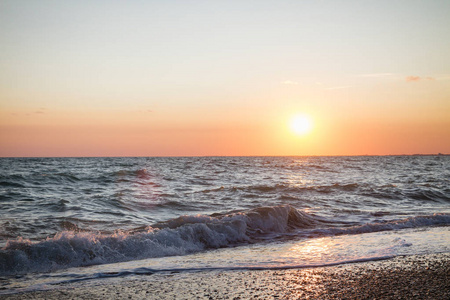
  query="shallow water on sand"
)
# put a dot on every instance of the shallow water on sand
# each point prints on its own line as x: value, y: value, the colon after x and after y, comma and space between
x: 291, y: 254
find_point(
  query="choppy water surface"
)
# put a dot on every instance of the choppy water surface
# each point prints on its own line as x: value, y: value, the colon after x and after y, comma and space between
x: 58, y: 213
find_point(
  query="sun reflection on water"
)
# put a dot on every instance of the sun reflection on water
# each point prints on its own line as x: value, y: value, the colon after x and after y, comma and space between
x: 299, y: 180
x: 312, y: 250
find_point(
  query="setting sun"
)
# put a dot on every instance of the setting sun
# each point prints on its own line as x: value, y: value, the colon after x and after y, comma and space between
x: 301, y: 124
x: 186, y: 83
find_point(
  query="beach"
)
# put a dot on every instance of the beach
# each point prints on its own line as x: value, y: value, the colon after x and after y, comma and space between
x: 403, y: 277
x: 224, y: 149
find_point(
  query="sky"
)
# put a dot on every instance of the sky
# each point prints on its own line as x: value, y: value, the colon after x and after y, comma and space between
x: 194, y: 78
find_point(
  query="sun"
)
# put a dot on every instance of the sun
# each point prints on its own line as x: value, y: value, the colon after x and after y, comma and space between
x: 301, y: 124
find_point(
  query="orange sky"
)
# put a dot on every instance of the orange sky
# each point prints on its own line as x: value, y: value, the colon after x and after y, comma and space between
x: 143, y: 133
x: 178, y: 79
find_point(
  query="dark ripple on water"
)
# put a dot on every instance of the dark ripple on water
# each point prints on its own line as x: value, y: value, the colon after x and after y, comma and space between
x: 40, y: 197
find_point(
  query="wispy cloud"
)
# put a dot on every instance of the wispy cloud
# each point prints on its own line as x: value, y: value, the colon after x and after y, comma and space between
x: 377, y: 75
x: 418, y: 78
x: 143, y: 111
x: 339, y: 87
x: 40, y: 111
x: 290, y: 82
x: 393, y: 76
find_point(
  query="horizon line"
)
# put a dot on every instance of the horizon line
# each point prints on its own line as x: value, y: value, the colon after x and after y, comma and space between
x: 183, y: 156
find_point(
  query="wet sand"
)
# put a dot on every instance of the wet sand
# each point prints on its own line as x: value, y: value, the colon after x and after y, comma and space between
x: 410, y: 277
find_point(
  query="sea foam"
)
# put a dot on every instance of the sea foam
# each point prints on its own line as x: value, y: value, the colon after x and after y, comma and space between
x: 180, y: 236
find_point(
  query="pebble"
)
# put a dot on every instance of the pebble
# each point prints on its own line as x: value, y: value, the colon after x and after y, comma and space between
x: 410, y: 277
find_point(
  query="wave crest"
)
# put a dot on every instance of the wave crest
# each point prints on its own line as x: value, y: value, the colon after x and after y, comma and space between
x: 183, y: 235
x: 180, y: 236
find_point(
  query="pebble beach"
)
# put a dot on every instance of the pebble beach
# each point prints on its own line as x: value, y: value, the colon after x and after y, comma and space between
x: 404, y: 277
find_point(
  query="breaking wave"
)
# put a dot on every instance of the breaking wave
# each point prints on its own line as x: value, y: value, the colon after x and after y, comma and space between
x: 180, y: 236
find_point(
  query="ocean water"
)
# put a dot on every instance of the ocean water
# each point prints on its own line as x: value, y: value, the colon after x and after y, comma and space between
x: 71, y: 219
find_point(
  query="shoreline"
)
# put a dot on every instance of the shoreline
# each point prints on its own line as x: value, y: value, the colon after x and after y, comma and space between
x: 402, y: 277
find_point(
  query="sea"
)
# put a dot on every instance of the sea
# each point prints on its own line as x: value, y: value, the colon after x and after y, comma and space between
x: 66, y: 220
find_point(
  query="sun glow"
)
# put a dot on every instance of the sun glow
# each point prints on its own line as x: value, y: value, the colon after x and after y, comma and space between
x: 301, y: 124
